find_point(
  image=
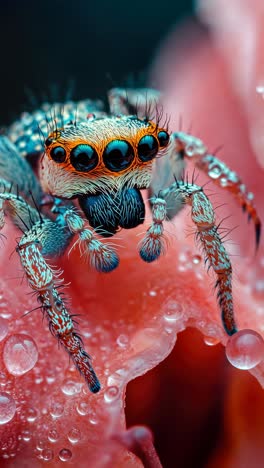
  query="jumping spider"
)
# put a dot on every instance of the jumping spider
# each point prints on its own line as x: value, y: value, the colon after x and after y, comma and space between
x: 104, y: 160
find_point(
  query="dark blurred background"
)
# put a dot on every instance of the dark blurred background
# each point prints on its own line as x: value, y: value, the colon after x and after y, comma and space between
x: 80, y: 44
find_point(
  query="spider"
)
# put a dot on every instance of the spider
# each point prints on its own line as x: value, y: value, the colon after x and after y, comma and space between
x: 103, y: 161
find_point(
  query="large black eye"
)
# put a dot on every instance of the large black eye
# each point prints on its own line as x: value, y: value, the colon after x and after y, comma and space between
x: 84, y: 158
x: 147, y: 148
x: 163, y: 138
x: 118, y: 155
x: 58, y: 154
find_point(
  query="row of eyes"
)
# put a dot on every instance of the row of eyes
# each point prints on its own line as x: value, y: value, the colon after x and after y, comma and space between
x: 117, y: 156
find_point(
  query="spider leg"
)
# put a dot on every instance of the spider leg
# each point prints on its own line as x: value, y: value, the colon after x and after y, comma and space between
x: 194, y: 149
x: 203, y: 216
x: 152, y: 245
x: 16, y: 171
x: 102, y: 257
x: 43, y: 236
x: 141, y: 102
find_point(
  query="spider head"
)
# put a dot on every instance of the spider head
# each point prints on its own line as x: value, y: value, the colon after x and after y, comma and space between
x: 101, y: 154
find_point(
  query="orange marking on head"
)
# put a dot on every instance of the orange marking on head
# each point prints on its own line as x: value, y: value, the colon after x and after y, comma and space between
x: 93, y: 139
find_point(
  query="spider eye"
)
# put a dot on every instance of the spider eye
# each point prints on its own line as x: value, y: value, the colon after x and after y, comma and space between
x: 147, y: 148
x: 84, y: 158
x: 118, y: 155
x: 48, y: 141
x: 163, y: 138
x: 58, y: 154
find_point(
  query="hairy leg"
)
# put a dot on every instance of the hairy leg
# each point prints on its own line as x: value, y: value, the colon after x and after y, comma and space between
x: 43, y: 236
x: 203, y: 216
x: 192, y: 148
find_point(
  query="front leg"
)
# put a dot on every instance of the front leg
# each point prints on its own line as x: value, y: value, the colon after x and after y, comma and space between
x: 43, y: 281
x: 203, y: 216
x: 43, y: 234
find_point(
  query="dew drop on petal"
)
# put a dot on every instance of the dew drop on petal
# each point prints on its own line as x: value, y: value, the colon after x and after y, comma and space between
x: 93, y: 419
x: 7, y: 407
x: 31, y: 414
x: 20, y: 354
x: 3, y: 328
x: 122, y: 341
x: 74, y: 435
x: 173, y: 311
x: 111, y: 394
x: 83, y: 408
x: 153, y: 293
x: 65, y: 455
x: 56, y: 409
x: 196, y: 259
x: 26, y: 435
x: 245, y: 349
x: 47, y: 455
x: 53, y: 435
x: 70, y: 387
x: 41, y: 444
x: 211, y: 340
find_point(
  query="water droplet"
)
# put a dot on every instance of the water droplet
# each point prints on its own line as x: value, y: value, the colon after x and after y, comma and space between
x: 153, y: 293
x: 196, y: 259
x: 50, y: 377
x: 245, y: 349
x: 47, y: 455
x: 3, y: 328
x: 211, y: 340
x: 3, y: 379
x: 93, y: 419
x: 38, y: 380
x: 173, y: 311
x: 83, y: 408
x: 41, y: 444
x: 71, y: 387
x: 65, y: 455
x: 122, y: 341
x: 214, y: 171
x: 258, y: 289
x: 111, y: 394
x: 31, y: 414
x: 20, y: 354
x: 56, y: 409
x: 74, y: 435
x: 53, y: 435
x: 7, y: 408
x: 190, y: 150
x: 260, y: 89
x: 26, y: 435
x: 224, y: 181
